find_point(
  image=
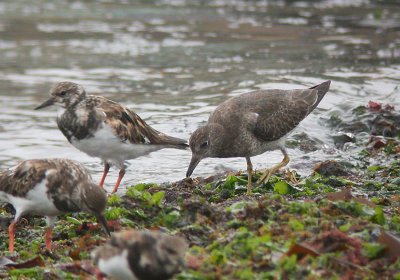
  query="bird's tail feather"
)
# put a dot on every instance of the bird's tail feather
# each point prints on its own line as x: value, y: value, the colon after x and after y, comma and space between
x: 322, y: 89
x: 175, y: 142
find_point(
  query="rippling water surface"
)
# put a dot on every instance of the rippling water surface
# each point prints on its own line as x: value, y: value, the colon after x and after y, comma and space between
x: 173, y: 62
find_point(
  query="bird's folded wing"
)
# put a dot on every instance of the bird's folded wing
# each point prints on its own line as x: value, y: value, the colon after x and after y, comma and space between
x: 21, y: 179
x: 125, y: 124
x: 288, y: 111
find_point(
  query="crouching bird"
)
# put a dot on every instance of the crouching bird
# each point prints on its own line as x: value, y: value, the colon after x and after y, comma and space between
x: 103, y: 128
x: 141, y: 255
x: 253, y: 123
x: 50, y: 187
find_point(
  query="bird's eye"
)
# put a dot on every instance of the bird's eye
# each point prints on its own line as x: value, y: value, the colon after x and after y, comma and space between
x: 204, y: 144
x: 63, y: 93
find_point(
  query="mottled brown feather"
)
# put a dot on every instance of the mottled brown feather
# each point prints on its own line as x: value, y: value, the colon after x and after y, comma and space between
x: 128, y: 126
x: 151, y: 255
x: 19, y: 180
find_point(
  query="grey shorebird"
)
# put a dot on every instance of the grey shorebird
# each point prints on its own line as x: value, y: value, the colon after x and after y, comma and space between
x: 103, y: 128
x: 50, y: 187
x: 253, y: 123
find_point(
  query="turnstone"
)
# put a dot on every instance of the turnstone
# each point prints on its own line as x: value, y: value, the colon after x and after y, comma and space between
x: 253, y: 123
x: 141, y: 255
x: 50, y: 187
x: 105, y: 129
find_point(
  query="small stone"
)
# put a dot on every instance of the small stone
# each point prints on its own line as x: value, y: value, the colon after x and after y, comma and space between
x: 331, y: 168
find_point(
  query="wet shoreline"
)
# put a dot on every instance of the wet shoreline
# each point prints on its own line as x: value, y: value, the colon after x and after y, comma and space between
x: 341, y: 220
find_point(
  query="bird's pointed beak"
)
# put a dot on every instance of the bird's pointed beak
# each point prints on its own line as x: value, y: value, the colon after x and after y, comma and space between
x: 47, y: 103
x: 103, y: 222
x: 193, y: 163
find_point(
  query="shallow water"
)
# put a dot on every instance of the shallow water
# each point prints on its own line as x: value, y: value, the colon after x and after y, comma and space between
x: 173, y: 62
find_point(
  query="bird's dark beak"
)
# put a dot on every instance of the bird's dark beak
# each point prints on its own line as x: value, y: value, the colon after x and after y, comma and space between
x: 103, y: 222
x: 47, y: 103
x: 193, y: 163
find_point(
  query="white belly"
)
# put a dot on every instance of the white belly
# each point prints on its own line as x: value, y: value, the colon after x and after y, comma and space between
x: 117, y: 267
x: 105, y: 145
x: 35, y: 202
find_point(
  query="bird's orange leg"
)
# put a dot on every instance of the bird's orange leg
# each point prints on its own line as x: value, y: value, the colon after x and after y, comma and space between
x: 120, y: 176
x: 47, y: 237
x: 105, y: 172
x: 11, y: 235
x: 98, y: 274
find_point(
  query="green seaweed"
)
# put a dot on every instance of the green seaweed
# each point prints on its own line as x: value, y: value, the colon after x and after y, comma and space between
x: 235, y: 236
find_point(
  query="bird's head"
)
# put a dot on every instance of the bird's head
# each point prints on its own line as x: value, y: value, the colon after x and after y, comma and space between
x: 204, y: 143
x: 171, y: 251
x: 64, y: 94
x: 94, y: 200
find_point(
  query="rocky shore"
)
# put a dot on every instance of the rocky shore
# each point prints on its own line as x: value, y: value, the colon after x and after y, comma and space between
x: 341, y: 221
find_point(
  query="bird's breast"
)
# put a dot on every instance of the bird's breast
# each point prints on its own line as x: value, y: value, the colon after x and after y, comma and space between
x: 75, y: 126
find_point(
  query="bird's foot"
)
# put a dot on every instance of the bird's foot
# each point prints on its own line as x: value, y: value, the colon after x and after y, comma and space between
x: 266, y: 174
x: 290, y: 175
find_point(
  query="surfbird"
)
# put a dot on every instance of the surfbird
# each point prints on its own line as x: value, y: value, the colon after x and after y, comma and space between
x: 141, y: 255
x: 103, y: 128
x: 253, y: 123
x: 50, y: 187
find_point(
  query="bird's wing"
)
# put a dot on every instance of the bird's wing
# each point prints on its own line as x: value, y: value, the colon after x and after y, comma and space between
x: 19, y: 180
x: 282, y: 112
x: 128, y: 126
x: 63, y: 177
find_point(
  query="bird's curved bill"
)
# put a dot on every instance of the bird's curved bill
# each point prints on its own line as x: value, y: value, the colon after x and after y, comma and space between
x: 193, y: 163
x: 47, y: 103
